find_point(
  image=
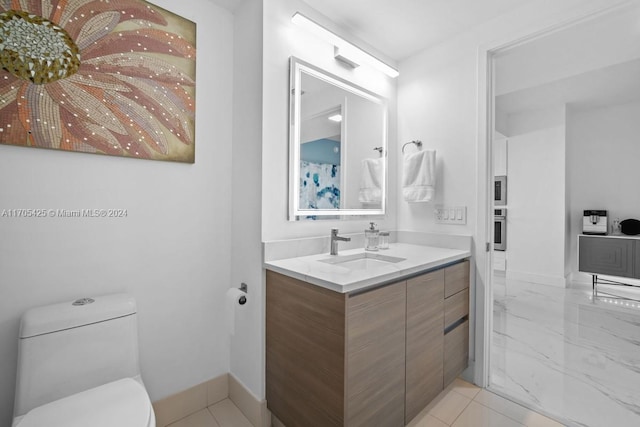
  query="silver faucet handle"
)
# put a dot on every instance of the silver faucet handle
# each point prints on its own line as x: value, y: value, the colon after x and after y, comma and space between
x: 334, y: 231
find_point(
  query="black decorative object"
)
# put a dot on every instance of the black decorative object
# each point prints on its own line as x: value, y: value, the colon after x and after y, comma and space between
x: 630, y: 227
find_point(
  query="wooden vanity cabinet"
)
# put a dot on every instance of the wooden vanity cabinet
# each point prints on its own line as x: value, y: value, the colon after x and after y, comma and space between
x: 370, y: 357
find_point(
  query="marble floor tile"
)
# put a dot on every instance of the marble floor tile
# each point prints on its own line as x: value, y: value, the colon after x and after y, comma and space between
x: 477, y: 415
x: 566, y: 353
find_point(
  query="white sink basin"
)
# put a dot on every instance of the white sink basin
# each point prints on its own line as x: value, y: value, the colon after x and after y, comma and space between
x: 361, y: 261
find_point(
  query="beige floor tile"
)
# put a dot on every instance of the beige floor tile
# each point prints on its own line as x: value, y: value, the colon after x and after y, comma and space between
x: 426, y: 420
x: 464, y: 388
x: 513, y: 410
x: 228, y: 415
x: 477, y: 415
x: 449, y: 406
x: 202, y: 418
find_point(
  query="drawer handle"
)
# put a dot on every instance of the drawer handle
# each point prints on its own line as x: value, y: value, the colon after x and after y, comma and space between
x: 455, y: 324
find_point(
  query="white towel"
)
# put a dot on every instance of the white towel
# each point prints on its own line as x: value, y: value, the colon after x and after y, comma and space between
x: 371, y: 180
x: 419, y: 176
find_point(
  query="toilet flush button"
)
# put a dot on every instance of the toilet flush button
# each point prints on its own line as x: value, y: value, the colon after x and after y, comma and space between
x: 83, y: 301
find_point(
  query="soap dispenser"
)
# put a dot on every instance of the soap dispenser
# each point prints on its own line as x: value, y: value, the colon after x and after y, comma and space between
x: 371, y: 238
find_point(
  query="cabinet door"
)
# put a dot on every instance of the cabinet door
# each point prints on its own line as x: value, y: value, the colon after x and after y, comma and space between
x: 636, y: 267
x: 605, y: 255
x: 456, y: 352
x: 305, y: 340
x: 376, y: 357
x: 425, y: 332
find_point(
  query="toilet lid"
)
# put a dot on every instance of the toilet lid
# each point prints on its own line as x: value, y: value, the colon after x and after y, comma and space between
x: 122, y: 403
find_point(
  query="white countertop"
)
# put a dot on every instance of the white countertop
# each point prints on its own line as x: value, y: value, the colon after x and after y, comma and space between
x: 341, y: 279
x: 613, y: 236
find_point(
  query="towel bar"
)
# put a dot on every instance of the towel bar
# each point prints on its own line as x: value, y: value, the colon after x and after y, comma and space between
x: 417, y: 142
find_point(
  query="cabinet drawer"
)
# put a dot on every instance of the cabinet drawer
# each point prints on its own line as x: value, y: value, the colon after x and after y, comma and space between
x: 456, y: 307
x: 456, y: 352
x: 602, y: 255
x: 456, y: 278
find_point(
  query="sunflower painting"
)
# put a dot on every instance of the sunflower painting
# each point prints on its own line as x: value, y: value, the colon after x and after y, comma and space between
x: 112, y: 77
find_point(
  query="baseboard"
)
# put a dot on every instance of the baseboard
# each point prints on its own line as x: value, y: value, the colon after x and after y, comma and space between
x: 558, y: 281
x: 189, y: 401
x: 196, y: 398
x: 252, y: 407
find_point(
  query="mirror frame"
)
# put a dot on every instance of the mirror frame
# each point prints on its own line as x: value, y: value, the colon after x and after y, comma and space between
x: 296, y: 68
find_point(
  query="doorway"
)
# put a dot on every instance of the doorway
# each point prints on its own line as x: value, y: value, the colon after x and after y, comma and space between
x: 563, y: 105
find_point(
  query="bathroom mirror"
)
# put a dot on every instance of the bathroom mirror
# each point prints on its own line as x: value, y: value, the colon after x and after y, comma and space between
x: 337, y: 146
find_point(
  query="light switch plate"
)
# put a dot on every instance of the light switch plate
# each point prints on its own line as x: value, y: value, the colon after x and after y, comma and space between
x: 450, y: 214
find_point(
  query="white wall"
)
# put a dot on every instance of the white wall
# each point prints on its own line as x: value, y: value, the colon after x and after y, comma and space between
x: 436, y: 104
x: 171, y: 252
x: 247, y: 348
x: 603, y: 172
x: 283, y: 39
x: 536, y: 197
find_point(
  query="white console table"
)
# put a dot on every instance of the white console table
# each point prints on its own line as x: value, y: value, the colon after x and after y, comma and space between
x: 609, y: 255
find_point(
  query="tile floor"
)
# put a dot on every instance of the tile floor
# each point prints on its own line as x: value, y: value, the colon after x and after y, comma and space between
x: 566, y: 353
x: 461, y: 405
x: 465, y: 405
x: 221, y: 414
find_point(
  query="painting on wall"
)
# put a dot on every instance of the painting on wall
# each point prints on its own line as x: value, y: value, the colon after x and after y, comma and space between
x: 113, y: 77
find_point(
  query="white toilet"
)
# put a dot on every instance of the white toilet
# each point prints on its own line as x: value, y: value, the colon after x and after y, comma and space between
x: 78, y: 366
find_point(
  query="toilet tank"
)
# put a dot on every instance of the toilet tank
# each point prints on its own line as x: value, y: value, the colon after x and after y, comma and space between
x: 65, y: 349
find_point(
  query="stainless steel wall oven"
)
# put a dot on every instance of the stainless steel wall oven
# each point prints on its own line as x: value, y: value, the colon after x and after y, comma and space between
x: 500, y: 191
x: 500, y: 229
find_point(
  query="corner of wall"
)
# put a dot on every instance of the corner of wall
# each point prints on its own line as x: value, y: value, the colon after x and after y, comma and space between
x: 246, y: 345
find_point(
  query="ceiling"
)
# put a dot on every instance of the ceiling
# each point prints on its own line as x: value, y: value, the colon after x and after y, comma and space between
x: 592, y: 64
x: 401, y: 28
x: 616, y: 84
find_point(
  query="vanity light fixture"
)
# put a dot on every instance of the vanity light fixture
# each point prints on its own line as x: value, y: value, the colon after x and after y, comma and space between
x: 343, y: 50
x: 335, y: 118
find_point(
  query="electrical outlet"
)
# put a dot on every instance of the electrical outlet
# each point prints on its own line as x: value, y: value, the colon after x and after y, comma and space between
x: 450, y: 214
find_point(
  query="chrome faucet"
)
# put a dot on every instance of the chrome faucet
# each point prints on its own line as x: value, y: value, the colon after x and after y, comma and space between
x: 334, y: 241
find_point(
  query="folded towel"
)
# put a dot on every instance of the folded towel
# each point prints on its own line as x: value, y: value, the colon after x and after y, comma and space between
x: 371, y: 180
x: 419, y: 176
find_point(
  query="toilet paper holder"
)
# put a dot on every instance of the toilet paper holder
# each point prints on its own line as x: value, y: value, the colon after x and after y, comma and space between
x: 244, y: 288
